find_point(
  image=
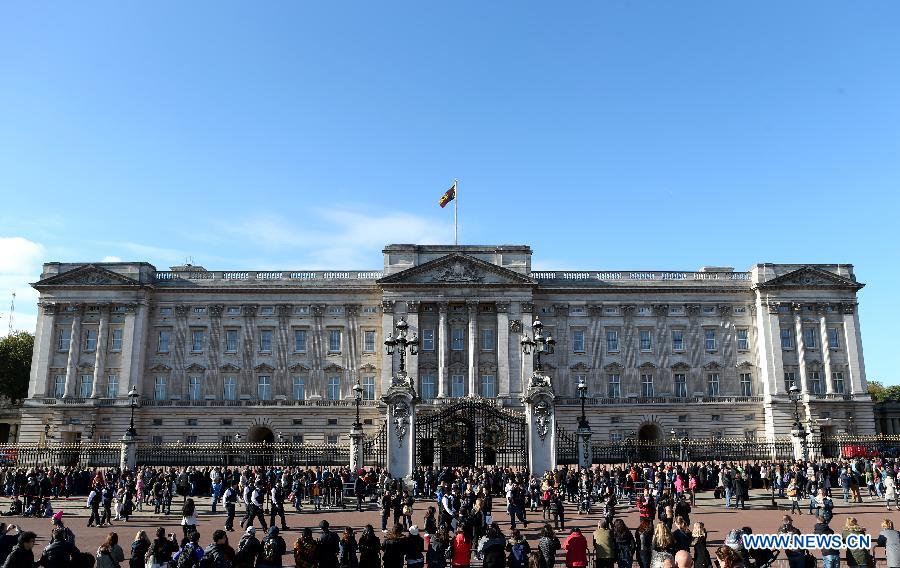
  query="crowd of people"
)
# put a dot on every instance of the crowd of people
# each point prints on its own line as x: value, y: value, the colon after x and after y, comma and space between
x: 460, y: 519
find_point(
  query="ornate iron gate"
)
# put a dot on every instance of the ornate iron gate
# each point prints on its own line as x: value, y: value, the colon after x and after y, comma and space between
x: 375, y: 448
x: 471, y: 433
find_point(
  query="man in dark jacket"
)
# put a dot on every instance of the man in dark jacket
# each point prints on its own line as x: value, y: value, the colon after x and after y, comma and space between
x: 272, y: 549
x: 248, y: 550
x: 328, y: 547
x: 60, y: 553
x: 219, y: 554
x: 22, y: 556
x: 7, y: 541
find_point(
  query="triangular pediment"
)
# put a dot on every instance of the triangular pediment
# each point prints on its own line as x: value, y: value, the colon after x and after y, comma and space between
x: 87, y: 275
x: 457, y: 269
x: 811, y: 277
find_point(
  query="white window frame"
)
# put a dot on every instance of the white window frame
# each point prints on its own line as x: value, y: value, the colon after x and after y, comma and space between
x: 614, y: 385
x: 265, y: 340
x: 301, y: 338
x: 709, y: 339
x: 85, y: 385
x: 648, y: 390
x: 790, y: 379
x: 810, y: 339
x: 786, y: 336
x: 612, y: 340
x: 746, y: 384
x: 488, y: 381
x: 197, y: 340
x: 457, y: 339
x: 369, y: 341
x: 231, y: 343
x: 487, y: 339
x: 195, y: 387
x: 578, y: 341
x: 837, y: 382
x: 713, y: 384
x: 334, y: 388
x: 645, y: 340
x: 429, y: 386
x: 743, y: 343
x: 815, y: 382
x: 334, y: 340
x: 63, y: 339
x: 264, y: 387
x: 427, y: 340
x: 834, y: 338
x: 368, y: 386
x: 115, y: 339
x: 298, y: 388
x: 59, y: 386
x: 112, y: 386
x: 680, y: 386
x: 678, y: 340
x: 164, y: 341
x: 160, y: 389
x: 229, y: 388
x: 90, y: 339
x: 457, y: 380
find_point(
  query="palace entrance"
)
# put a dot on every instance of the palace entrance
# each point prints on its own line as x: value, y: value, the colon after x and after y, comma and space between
x: 471, y: 433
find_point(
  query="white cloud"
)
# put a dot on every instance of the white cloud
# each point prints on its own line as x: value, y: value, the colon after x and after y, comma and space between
x: 20, y: 264
x: 111, y: 259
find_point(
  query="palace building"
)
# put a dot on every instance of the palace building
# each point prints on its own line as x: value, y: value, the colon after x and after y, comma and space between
x: 274, y: 355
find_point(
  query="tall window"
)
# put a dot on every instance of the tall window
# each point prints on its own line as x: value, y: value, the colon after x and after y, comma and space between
x: 614, y: 387
x: 458, y: 386
x: 809, y: 338
x: 197, y: 340
x: 487, y: 339
x: 265, y: 340
x: 300, y: 340
x: 647, y: 386
x: 815, y: 382
x: 159, y: 389
x: 834, y: 338
x: 578, y: 341
x: 429, y: 388
x: 163, y: 343
x: 85, y: 390
x: 746, y: 384
x: 63, y: 338
x: 488, y: 386
x: 263, y: 387
x: 59, y: 386
x: 194, y: 388
x: 612, y: 340
x: 334, y: 340
x: 743, y: 342
x: 299, y: 388
x: 837, y: 381
x: 680, y: 385
x: 231, y: 338
x: 677, y: 340
x: 368, y: 386
x: 334, y: 388
x: 787, y: 338
x: 709, y: 339
x: 112, y: 386
x: 90, y: 339
x: 457, y: 339
x: 712, y: 384
x: 115, y: 339
x: 369, y: 341
x: 789, y: 380
x: 427, y: 340
x: 229, y: 391
x: 646, y: 344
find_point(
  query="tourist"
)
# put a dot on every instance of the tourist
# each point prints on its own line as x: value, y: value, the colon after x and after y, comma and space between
x: 248, y: 550
x: 460, y: 550
x: 643, y: 542
x: 139, y: 548
x: 890, y: 490
x: 190, y: 553
x: 492, y: 548
x: 727, y: 558
x: 272, y: 549
x: 369, y: 548
x: 519, y: 550
x: 548, y: 544
x: 8, y: 539
x: 219, y: 554
x: 60, y: 553
x: 663, y: 545
x: 889, y: 539
x: 110, y: 554
x: 856, y: 557
x: 305, y: 555
x: 22, y: 555
x: 682, y: 535
x: 162, y: 549
x: 576, y: 549
x: 701, y: 556
x: 348, y: 547
x: 604, y: 549
x: 328, y: 546
x: 415, y: 548
x: 394, y: 547
x: 276, y: 506
x: 188, y: 517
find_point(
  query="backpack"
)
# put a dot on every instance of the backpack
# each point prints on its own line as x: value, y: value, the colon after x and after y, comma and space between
x: 517, y: 557
x: 186, y: 559
x: 270, y: 552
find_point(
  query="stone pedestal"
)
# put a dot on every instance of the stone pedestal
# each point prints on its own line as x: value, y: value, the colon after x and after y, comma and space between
x: 128, y: 454
x: 401, y: 424
x: 583, y: 443
x: 541, y: 421
x: 357, y: 441
x: 798, y: 437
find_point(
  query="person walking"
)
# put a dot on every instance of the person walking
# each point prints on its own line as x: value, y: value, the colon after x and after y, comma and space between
x: 188, y: 517
x: 276, y: 507
x: 229, y: 499
x: 890, y: 490
x: 831, y: 557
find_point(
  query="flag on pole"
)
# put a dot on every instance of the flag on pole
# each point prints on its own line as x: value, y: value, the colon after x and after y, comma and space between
x: 448, y: 196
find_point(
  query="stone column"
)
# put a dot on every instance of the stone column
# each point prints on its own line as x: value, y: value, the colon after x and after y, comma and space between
x: 541, y: 421
x: 583, y: 445
x: 801, y: 347
x: 357, y: 443
x: 853, y: 345
x: 443, y: 340
x: 100, y: 352
x: 128, y: 453
x: 412, y: 318
x: 503, y: 349
x: 473, y: 347
x: 401, y: 424
x: 826, y: 350
x: 41, y: 383
x: 74, y: 350
x: 134, y: 339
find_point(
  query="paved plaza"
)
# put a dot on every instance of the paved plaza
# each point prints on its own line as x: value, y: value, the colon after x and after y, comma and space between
x: 759, y: 515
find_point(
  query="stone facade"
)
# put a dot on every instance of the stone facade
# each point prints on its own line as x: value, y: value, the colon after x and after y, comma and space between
x: 217, y: 354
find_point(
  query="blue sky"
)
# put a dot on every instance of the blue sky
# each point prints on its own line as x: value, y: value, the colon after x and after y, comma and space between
x: 607, y: 135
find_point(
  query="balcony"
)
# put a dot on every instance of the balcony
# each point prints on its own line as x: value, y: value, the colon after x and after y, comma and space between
x: 625, y: 401
x: 257, y: 403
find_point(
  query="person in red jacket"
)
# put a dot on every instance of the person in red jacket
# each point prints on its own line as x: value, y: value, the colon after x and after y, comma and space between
x: 576, y: 549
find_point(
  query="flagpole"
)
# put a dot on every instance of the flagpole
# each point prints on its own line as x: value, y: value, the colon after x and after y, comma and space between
x: 455, y: 212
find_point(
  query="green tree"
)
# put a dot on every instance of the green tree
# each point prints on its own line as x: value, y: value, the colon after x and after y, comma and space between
x: 15, y: 364
x: 881, y: 393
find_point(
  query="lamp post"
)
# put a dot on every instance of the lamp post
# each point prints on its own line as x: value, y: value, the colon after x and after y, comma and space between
x: 133, y: 395
x: 357, y: 394
x: 399, y: 343
x: 798, y: 431
x: 582, y: 390
x: 538, y: 345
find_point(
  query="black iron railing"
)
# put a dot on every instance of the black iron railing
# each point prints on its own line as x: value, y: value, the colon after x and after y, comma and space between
x: 375, y: 448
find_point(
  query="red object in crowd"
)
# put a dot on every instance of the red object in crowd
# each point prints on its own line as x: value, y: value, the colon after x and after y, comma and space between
x: 855, y: 451
x: 576, y: 549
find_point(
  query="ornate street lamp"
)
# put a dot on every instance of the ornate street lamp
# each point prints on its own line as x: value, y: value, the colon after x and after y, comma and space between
x: 538, y: 345
x: 357, y: 394
x: 400, y: 343
x: 133, y: 395
x: 582, y: 390
x: 798, y: 431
